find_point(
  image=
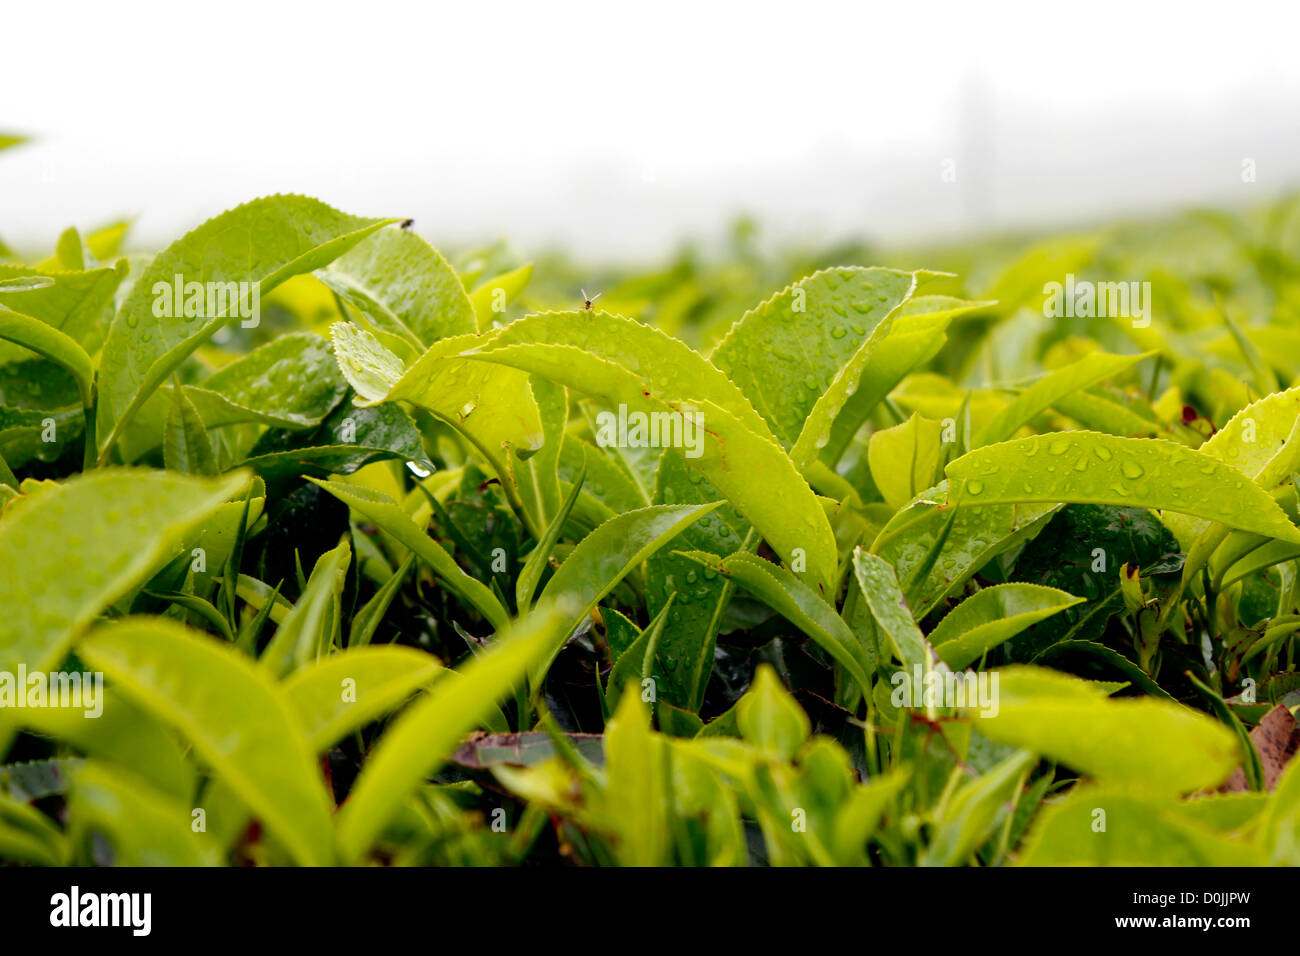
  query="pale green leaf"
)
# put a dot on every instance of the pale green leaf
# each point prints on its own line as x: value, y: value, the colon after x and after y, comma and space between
x: 1138, y: 831
x: 992, y: 615
x: 401, y: 284
x: 291, y: 381
x: 1145, y: 743
x: 1091, y: 468
x: 78, y: 546
x: 240, y: 723
x: 344, y: 692
x: 607, y: 555
x: 625, y: 363
x: 263, y: 242
x: 770, y: 718
x: 142, y: 826
x: 785, y: 353
x: 1051, y: 388
x: 798, y: 604
x: 495, y: 295
x: 186, y: 445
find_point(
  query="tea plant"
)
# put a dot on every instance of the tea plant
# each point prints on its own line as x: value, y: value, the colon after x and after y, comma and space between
x: 365, y: 555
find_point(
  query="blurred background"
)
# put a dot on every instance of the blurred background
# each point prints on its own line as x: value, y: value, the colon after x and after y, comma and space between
x: 615, y: 132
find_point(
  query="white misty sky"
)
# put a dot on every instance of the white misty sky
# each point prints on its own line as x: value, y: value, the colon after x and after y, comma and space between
x: 617, y: 129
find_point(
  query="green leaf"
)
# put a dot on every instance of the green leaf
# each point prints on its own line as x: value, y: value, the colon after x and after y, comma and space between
x: 500, y: 290
x: 607, y: 555
x: 785, y: 353
x: 770, y: 718
x: 538, y: 558
x: 967, y: 819
x: 1068, y: 655
x: 1051, y: 388
x: 1089, y: 467
x: 75, y: 548
x: 344, y: 692
x: 700, y: 596
x: 1250, y: 761
x: 25, y: 284
x: 291, y: 381
x: 636, y: 662
x: 48, y: 341
x: 860, y: 814
x: 122, y: 734
x: 1137, y: 742
x: 240, y: 723
x: 1139, y: 831
x: 492, y: 407
x: 904, y: 458
x: 1257, y: 442
x: 538, y: 478
x: 1102, y: 413
x: 186, y: 445
x: 305, y: 632
x: 106, y: 241
x: 392, y: 520
x: 143, y: 827
x: 368, y: 617
x: 799, y: 605
x: 912, y: 336
x: 401, y: 285
x: 28, y: 836
x: 992, y: 615
x: 977, y: 534
x: 345, y: 441
x: 70, y: 252
x: 364, y: 361
x: 608, y: 487
x: 885, y: 599
x: 263, y: 243
x: 624, y: 363
x: 78, y: 304
x: 637, y: 785
x: 425, y: 735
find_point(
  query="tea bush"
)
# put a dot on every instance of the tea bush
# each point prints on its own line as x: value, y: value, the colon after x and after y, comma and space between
x: 320, y: 547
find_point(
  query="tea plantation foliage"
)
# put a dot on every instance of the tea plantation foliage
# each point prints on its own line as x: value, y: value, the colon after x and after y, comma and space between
x: 368, y: 555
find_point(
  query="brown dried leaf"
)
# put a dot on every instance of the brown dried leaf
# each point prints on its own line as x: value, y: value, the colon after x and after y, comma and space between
x: 1276, y: 738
